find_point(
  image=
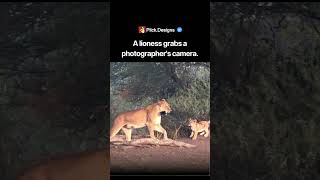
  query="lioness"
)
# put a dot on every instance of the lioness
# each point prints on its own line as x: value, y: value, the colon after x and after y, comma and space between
x: 83, y: 166
x: 148, y: 116
x: 197, y: 127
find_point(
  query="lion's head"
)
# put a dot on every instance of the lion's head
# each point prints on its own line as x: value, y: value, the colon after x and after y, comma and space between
x: 164, y: 106
x: 191, y: 122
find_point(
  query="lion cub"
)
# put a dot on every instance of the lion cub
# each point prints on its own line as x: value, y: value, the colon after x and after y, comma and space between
x: 201, y: 127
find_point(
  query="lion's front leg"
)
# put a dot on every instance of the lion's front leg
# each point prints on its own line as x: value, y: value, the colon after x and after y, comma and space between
x: 160, y: 129
x: 151, y: 131
x: 195, y: 135
x: 207, y: 133
x: 191, y: 135
x: 202, y: 133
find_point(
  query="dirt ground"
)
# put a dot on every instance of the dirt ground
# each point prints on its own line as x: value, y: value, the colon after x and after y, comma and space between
x: 162, y: 159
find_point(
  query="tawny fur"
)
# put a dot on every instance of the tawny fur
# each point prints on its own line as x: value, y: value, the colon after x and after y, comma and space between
x: 202, y: 127
x: 148, y: 116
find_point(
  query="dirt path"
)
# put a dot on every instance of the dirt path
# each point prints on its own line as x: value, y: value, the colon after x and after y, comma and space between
x: 162, y: 159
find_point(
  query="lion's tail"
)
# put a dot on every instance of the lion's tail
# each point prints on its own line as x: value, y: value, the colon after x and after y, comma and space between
x: 117, y: 125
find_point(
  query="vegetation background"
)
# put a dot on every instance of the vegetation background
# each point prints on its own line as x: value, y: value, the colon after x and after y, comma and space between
x: 266, y: 90
x: 185, y: 85
x: 52, y: 81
